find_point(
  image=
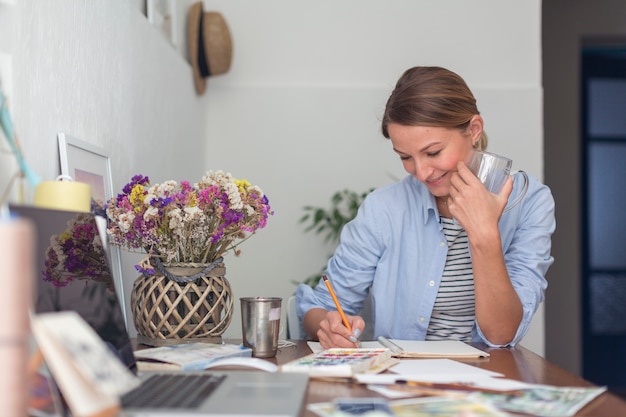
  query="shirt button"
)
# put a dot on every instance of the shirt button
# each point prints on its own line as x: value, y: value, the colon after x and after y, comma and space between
x: 421, y: 319
x: 431, y: 283
x: 442, y: 244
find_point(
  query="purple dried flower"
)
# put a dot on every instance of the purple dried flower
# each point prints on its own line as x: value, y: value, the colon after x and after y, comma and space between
x: 184, y: 222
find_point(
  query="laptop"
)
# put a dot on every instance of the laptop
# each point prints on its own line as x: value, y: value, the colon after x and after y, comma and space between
x: 73, y: 273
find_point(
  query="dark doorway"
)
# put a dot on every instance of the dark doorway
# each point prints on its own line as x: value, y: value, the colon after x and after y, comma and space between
x: 604, y: 214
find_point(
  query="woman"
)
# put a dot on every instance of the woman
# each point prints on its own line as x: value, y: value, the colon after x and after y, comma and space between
x: 440, y: 256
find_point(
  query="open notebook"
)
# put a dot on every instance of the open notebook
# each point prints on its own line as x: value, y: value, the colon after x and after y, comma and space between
x: 73, y: 274
x: 422, y: 348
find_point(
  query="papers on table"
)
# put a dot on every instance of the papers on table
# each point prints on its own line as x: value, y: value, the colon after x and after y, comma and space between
x: 432, y: 370
x: 443, y: 371
x: 485, y: 388
x: 543, y: 400
x: 534, y: 399
x: 438, y: 368
x: 443, y: 407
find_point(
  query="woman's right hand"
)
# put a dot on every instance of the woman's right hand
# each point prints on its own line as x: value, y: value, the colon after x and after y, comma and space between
x: 332, y: 333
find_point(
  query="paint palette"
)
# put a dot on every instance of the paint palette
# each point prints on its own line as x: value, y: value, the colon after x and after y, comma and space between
x: 339, y: 362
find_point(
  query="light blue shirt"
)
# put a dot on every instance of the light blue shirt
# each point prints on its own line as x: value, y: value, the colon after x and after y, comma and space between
x: 395, y: 246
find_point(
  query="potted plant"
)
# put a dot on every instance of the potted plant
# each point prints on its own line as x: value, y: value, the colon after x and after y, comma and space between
x: 329, y: 222
x: 186, y: 229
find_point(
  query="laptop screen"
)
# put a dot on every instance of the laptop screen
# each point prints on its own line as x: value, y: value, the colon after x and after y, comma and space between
x: 73, y: 273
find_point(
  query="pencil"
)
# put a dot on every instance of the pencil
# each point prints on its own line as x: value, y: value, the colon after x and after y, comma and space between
x: 339, y: 309
x: 452, y: 386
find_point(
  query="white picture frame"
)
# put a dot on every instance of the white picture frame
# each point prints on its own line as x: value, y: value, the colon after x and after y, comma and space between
x: 86, y: 163
x: 162, y: 14
x: 90, y: 164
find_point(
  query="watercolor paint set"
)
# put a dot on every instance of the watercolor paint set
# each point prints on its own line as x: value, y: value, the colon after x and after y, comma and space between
x: 341, y: 362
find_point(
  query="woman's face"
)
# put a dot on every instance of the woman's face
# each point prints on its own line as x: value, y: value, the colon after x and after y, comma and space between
x: 431, y: 154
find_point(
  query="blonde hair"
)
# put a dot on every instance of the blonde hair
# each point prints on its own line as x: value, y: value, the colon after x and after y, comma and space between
x: 431, y: 96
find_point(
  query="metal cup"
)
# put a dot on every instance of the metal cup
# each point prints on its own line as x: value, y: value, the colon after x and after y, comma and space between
x: 491, y: 169
x: 260, y: 324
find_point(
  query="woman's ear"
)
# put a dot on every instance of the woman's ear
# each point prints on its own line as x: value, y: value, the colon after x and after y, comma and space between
x: 475, y: 128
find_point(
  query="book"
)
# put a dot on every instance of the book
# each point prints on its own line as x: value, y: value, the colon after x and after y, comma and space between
x: 453, y: 349
x: 74, y: 354
x: 341, y: 362
x: 188, y: 357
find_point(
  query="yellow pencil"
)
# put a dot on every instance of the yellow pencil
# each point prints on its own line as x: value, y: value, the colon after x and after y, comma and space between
x: 454, y: 386
x: 339, y: 309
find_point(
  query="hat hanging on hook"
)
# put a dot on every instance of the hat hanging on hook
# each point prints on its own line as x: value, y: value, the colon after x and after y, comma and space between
x: 210, y: 45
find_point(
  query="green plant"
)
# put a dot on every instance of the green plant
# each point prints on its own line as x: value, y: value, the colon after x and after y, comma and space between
x: 329, y: 222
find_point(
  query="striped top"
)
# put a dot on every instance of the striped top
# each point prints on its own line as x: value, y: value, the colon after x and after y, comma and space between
x: 454, y: 310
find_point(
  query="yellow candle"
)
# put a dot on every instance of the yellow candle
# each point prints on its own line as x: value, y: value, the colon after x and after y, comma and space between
x: 63, y: 195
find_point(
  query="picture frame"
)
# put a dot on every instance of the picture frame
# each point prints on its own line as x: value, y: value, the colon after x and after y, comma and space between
x: 162, y: 14
x: 84, y: 162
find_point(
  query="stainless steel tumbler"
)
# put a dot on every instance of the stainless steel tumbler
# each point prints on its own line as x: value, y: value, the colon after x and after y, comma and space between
x: 260, y: 324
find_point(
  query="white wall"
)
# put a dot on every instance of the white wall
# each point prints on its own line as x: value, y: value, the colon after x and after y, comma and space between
x: 99, y: 71
x: 298, y: 114
x: 299, y: 111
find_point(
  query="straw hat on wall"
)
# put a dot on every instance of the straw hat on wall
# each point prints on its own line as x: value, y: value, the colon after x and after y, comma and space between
x: 210, y: 45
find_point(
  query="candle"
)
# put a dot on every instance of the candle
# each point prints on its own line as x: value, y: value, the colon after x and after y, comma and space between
x: 63, y: 195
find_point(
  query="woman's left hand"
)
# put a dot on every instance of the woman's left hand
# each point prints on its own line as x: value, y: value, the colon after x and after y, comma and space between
x: 498, y: 307
x: 471, y: 204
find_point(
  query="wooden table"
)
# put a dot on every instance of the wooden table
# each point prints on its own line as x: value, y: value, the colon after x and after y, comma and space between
x: 516, y: 363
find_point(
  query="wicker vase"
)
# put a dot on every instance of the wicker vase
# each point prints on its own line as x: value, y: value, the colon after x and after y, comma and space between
x: 182, y: 303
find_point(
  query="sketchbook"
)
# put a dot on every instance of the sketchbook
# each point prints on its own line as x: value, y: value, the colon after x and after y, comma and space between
x: 342, y: 362
x: 188, y: 357
x: 453, y: 349
x: 75, y: 355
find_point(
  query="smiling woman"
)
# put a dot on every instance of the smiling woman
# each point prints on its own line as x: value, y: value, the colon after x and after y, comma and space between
x: 441, y: 256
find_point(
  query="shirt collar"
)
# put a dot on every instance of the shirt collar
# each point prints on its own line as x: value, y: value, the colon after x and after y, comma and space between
x: 428, y: 203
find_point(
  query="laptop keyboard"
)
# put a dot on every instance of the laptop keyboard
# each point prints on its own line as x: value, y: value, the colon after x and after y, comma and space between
x: 172, y: 391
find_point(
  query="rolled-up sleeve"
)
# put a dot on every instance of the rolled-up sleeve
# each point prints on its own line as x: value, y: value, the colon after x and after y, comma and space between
x: 526, y: 232
x: 352, y: 268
